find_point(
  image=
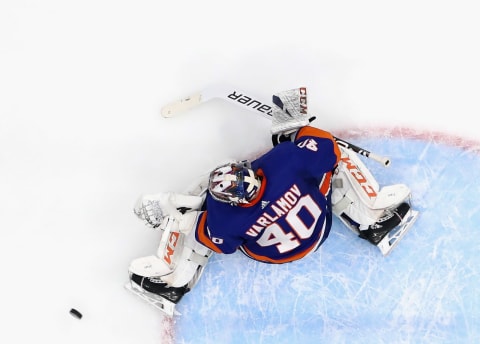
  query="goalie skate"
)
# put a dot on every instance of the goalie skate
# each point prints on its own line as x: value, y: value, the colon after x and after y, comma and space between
x: 388, y: 243
x: 393, y: 237
x: 166, y: 306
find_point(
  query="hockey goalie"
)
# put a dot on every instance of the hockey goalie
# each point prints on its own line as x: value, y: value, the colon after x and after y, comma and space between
x: 275, y: 209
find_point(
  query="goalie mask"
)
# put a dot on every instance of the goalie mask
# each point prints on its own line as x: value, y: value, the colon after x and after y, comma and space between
x: 234, y: 183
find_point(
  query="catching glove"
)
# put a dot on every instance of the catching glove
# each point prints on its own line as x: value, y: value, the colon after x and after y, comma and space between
x: 154, y: 208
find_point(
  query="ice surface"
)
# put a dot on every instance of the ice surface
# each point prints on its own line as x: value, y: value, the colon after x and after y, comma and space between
x: 425, y: 291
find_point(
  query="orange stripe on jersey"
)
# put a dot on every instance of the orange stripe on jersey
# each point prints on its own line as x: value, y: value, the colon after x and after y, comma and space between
x: 284, y: 260
x: 312, y: 131
x: 202, y: 237
x: 325, y: 184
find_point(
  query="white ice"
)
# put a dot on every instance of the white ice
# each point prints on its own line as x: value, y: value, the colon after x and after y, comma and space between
x: 81, y: 86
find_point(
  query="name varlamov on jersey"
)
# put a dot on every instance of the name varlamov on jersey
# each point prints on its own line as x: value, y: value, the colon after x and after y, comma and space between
x: 276, y: 210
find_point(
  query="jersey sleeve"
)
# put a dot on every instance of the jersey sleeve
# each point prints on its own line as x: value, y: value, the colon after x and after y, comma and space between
x: 219, y: 241
x: 201, y: 233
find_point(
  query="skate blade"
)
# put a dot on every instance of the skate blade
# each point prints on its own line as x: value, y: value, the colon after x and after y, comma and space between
x: 166, y: 306
x: 391, y: 240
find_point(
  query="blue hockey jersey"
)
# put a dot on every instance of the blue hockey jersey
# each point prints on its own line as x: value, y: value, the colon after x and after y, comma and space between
x: 291, y: 216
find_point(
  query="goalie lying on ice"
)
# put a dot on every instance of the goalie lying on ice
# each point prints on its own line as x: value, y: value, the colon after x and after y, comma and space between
x: 275, y: 209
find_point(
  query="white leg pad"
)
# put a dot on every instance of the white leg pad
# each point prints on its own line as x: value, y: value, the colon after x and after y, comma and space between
x: 149, y: 266
x: 357, y: 194
x: 179, y: 256
x: 391, y: 195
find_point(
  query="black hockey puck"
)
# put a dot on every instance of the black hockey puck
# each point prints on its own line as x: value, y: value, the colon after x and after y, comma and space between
x: 76, y: 313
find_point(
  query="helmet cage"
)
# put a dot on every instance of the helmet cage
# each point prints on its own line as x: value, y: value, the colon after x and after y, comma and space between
x: 227, y: 183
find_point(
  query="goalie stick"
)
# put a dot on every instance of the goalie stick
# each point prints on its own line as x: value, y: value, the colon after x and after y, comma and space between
x: 240, y: 98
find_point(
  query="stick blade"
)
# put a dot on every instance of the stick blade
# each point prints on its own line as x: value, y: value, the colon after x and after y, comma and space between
x: 184, y: 104
x: 225, y: 92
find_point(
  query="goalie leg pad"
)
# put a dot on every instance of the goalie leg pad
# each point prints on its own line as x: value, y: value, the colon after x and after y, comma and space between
x: 389, y: 239
x: 149, y: 266
x: 357, y: 194
x: 178, y: 257
x: 163, y: 279
x: 381, y: 216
